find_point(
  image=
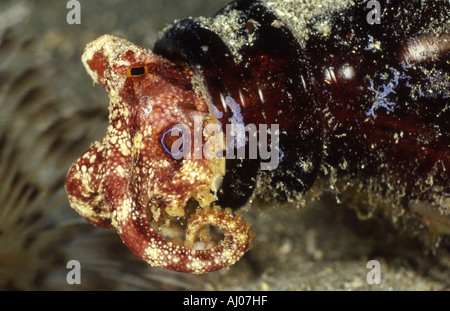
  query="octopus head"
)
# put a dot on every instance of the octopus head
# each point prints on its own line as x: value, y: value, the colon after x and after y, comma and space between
x: 149, y: 177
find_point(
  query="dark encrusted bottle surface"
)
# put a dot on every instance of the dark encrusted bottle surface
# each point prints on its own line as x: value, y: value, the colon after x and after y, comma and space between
x: 368, y: 102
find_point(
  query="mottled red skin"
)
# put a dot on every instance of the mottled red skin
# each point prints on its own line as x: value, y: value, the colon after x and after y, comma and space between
x: 129, y: 182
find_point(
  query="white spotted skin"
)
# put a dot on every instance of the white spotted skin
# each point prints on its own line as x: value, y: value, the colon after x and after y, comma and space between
x: 129, y: 182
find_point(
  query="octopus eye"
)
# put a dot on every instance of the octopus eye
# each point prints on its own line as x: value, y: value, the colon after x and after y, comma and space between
x: 173, y: 143
x: 136, y: 71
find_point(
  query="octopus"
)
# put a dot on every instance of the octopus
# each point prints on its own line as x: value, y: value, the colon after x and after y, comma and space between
x: 356, y: 108
x: 129, y: 182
